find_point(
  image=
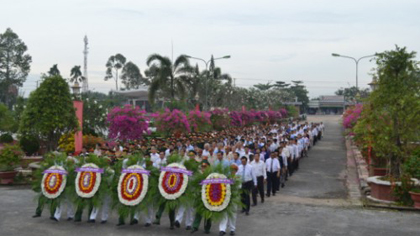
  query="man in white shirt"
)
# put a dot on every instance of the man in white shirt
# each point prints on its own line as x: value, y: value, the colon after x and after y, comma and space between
x: 161, y: 161
x: 248, y: 182
x: 260, y: 171
x: 154, y: 156
x: 273, y: 173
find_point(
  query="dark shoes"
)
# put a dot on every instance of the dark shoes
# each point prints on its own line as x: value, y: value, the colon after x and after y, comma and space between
x: 282, y: 185
x: 147, y: 225
x: 177, y: 224
x: 70, y: 219
x: 120, y: 224
x: 247, y: 213
x: 254, y: 205
x: 53, y: 218
x: 221, y: 233
x: 91, y: 221
x: 156, y: 222
x: 194, y: 230
x: 103, y: 222
x: 36, y: 216
x: 232, y: 232
x: 188, y: 228
x: 134, y: 222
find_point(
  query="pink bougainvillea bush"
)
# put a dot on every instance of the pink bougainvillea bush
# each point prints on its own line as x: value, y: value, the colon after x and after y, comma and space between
x: 172, y: 122
x: 283, y: 112
x: 220, y: 118
x: 236, y: 118
x: 199, y: 120
x: 274, y: 116
x: 351, y: 115
x: 127, y: 123
x: 247, y: 117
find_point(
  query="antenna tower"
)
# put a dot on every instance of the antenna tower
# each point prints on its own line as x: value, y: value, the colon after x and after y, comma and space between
x: 85, y: 86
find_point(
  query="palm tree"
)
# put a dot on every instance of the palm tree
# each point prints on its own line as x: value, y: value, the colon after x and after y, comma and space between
x: 76, y: 75
x: 54, y: 70
x: 167, y: 76
x: 115, y: 63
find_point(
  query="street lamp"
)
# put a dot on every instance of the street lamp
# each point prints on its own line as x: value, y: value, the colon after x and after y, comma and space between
x: 357, y: 64
x: 76, y: 90
x: 374, y: 84
x: 207, y: 63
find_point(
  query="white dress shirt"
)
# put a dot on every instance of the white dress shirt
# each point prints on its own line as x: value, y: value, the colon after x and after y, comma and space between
x: 259, y: 168
x: 154, y: 157
x: 246, y: 174
x: 272, y: 165
x: 160, y: 162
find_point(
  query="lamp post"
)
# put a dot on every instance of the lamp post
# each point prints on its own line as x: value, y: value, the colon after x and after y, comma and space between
x: 78, y: 105
x: 207, y: 63
x: 374, y: 84
x: 357, y: 64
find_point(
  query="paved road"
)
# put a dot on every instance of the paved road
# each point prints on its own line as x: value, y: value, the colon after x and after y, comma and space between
x: 314, y: 203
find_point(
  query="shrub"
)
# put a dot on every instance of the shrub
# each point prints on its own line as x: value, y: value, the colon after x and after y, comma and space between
x: 90, y: 141
x: 10, y: 157
x: 29, y: 144
x: 412, y: 165
x: 6, y: 138
x: 127, y: 123
x: 66, y: 142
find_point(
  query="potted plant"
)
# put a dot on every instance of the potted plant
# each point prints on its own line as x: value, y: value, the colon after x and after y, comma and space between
x: 379, y: 165
x: 10, y: 157
x: 412, y: 168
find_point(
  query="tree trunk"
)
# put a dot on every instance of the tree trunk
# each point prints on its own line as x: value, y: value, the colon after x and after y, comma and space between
x: 172, y: 88
x: 116, y: 79
x: 395, y: 158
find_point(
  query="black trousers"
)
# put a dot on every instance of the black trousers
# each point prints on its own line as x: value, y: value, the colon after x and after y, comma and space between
x: 246, y: 190
x: 291, y: 166
x: 258, y: 189
x: 271, y: 183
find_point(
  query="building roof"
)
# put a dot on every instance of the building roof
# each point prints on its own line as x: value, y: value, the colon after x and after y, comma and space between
x: 140, y: 94
x: 331, y: 101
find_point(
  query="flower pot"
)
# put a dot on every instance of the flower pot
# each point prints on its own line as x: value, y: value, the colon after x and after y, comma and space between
x: 416, y: 199
x: 28, y: 160
x: 378, y: 171
x: 6, y: 177
x: 382, y: 189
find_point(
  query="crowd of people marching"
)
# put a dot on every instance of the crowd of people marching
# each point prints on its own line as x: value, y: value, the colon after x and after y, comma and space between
x: 264, y: 157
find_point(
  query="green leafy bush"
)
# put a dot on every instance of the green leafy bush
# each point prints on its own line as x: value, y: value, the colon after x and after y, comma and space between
x: 412, y: 165
x: 10, y: 157
x: 6, y: 138
x: 29, y: 144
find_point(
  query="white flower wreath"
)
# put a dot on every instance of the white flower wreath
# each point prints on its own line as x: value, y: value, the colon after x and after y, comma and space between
x: 96, y: 185
x: 144, y: 190
x: 184, y: 183
x: 225, y: 202
x: 61, y: 187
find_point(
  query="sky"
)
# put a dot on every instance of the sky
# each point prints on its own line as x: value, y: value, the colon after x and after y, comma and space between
x: 268, y: 40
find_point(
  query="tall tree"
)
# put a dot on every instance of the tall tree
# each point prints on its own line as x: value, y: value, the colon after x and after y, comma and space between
x: 113, y: 65
x: 350, y: 94
x: 263, y: 87
x: 395, y: 106
x: 281, y: 85
x: 49, y: 112
x: 168, y: 77
x: 54, y: 71
x: 131, y: 76
x: 14, y: 65
x: 76, y: 74
x: 301, y: 93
